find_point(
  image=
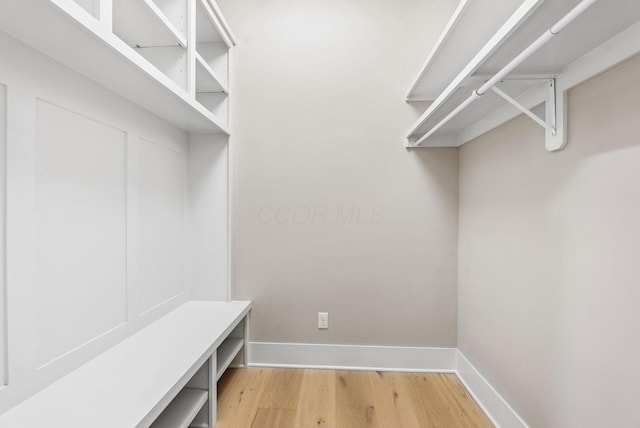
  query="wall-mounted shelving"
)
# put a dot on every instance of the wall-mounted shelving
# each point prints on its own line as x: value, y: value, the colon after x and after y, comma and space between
x: 527, y: 70
x: 211, y: 60
x: 208, y: 25
x: 145, y: 26
x: 141, y: 24
x: 206, y: 79
x: 149, y: 67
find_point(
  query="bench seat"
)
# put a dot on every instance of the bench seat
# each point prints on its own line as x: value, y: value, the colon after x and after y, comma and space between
x: 131, y: 383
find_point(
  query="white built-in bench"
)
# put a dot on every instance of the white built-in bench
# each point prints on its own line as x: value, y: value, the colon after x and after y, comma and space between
x: 163, y: 376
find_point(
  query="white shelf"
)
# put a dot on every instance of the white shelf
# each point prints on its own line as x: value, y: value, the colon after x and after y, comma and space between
x: 208, y: 27
x: 183, y: 409
x: 206, y: 78
x: 602, y: 36
x: 105, y: 59
x: 463, y: 37
x: 227, y: 351
x: 141, y: 23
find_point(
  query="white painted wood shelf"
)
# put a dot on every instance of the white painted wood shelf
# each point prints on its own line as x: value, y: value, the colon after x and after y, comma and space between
x: 99, y: 43
x: 206, y: 24
x: 133, y: 382
x: 484, y: 36
x: 227, y: 351
x: 141, y: 23
x: 182, y: 409
x: 206, y: 79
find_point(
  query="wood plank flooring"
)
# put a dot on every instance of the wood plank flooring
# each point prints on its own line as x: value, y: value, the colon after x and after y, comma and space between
x: 301, y: 398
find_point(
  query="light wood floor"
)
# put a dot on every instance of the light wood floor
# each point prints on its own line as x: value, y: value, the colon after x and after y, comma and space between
x: 283, y: 398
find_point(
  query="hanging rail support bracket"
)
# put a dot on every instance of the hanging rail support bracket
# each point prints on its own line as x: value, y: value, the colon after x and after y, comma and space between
x: 550, y: 113
x: 555, y: 114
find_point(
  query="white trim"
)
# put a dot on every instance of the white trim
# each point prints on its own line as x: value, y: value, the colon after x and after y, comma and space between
x: 388, y: 358
x: 492, y: 403
x: 352, y: 357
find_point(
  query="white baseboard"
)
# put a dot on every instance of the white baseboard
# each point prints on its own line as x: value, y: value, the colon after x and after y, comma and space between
x: 496, y: 408
x: 388, y: 358
x: 352, y: 357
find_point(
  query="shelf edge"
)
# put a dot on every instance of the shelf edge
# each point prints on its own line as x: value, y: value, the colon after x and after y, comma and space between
x: 517, y: 19
x: 446, y: 32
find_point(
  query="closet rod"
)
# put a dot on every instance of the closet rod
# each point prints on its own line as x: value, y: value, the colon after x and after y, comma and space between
x: 533, y: 47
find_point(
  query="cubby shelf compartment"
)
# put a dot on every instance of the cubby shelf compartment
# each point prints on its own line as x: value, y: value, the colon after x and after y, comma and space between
x: 602, y: 35
x: 61, y: 29
x: 212, y: 47
x: 206, y: 79
x: 227, y: 351
x: 144, y: 26
x: 211, y: 58
x: 208, y: 27
x: 141, y: 23
x: 182, y: 410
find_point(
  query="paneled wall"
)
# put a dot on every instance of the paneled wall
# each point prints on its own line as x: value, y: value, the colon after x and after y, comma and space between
x: 98, y: 213
x: 80, y: 213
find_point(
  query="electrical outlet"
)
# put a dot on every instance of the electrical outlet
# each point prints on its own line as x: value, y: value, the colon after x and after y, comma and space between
x: 323, y: 320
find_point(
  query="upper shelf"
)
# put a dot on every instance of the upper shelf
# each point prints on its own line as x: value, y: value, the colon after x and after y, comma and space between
x: 141, y: 23
x: 69, y: 34
x: 476, y: 46
x: 473, y: 23
x: 207, y: 22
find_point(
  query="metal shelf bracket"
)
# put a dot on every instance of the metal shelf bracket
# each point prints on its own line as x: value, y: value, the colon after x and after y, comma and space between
x: 554, y: 139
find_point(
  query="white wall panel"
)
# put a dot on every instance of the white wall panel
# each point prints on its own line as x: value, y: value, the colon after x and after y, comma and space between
x: 161, y: 228
x: 88, y: 249
x: 80, y: 240
x: 208, y: 217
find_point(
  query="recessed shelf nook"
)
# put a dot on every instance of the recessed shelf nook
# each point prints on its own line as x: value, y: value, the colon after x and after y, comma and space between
x: 141, y: 24
x: 211, y: 60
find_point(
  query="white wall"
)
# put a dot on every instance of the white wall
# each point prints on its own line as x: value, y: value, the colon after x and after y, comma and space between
x: 3, y: 290
x: 98, y: 207
x: 549, y: 260
x: 331, y: 212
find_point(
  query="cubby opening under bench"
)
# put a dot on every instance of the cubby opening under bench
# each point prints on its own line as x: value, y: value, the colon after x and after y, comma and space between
x: 163, y: 376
